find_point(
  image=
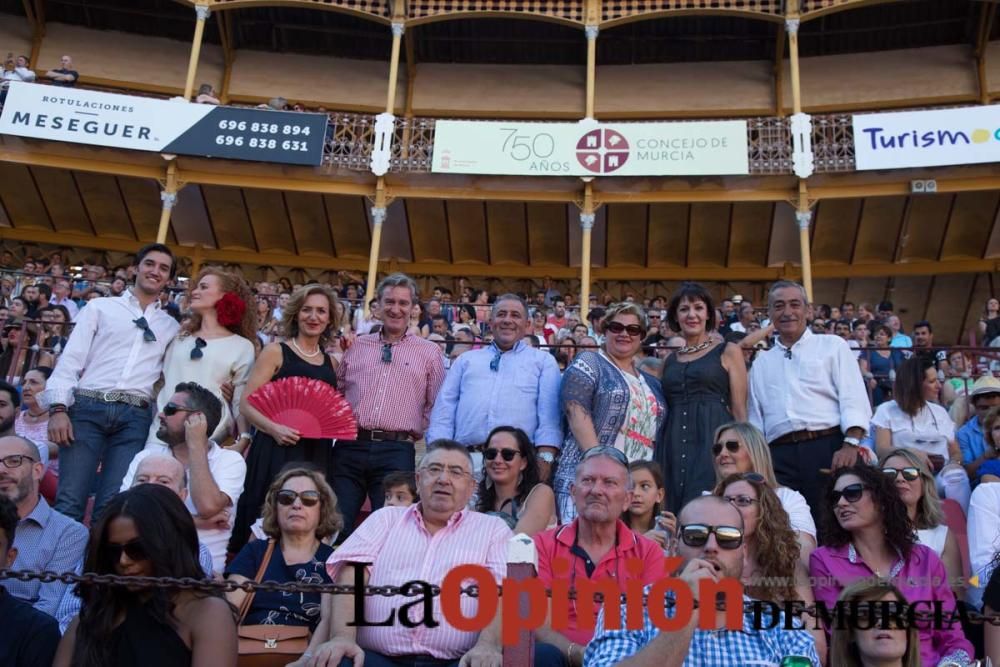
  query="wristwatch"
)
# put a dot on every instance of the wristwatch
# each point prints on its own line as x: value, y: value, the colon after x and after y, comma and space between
x: 548, y: 457
x: 853, y: 442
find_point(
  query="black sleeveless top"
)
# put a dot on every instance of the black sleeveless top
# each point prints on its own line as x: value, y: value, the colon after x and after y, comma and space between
x: 292, y: 365
x: 142, y: 640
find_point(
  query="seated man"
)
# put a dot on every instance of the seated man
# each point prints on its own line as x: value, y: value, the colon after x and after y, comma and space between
x: 46, y: 539
x: 985, y: 396
x: 399, y: 544
x: 711, y: 532
x: 27, y: 636
x: 597, y: 545
x: 215, y: 475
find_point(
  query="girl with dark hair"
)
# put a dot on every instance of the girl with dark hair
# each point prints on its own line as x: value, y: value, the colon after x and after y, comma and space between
x: 878, y: 366
x: 19, y: 354
x: 915, y: 421
x: 644, y: 513
x: 147, y: 531
x: 511, y: 487
x: 705, y: 386
x: 868, y: 533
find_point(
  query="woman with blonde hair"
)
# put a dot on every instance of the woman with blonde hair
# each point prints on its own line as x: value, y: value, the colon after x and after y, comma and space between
x: 307, y: 325
x: 879, y: 644
x: 214, y: 347
x: 740, y: 448
x: 608, y: 401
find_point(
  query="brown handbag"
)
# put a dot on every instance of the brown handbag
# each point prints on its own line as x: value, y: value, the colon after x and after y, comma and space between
x: 268, y: 645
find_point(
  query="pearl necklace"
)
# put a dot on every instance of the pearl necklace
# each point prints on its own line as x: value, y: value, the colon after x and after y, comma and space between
x: 303, y: 352
x: 691, y: 349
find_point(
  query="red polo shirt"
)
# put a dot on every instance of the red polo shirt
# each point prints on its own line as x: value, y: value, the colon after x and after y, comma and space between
x: 560, y: 542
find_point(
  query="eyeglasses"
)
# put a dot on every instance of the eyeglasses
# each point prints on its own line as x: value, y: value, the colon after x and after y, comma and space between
x: 147, y: 333
x: 134, y: 550
x: 196, y: 352
x: 851, y: 493
x: 386, y: 353
x: 732, y: 446
x: 604, y: 450
x: 495, y: 362
x: 15, y: 460
x: 287, y: 497
x: 910, y: 473
x: 507, y: 454
x: 741, y: 501
x: 436, y: 470
x: 696, y: 535
x: 618, y: 327
x: 171, y: 409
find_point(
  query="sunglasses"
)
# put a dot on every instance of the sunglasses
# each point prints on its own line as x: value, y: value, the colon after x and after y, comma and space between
x: 147, y: 333
x: 507, y: 454
x: 604, y: 450
x: 696, y: 535
x: 910, y: 473
x: 741, y: 501
x: 171, y: 409
x: 133, y: 550
x: 197, y: 352
x: 851, y: 493
x: 386, y: 353
x: 617, y: 327
x: 732, y: 446
x: 495, y: 362
x: 287, y: 497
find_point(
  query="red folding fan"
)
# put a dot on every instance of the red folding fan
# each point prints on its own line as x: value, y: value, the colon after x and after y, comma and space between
x: 311, y: 407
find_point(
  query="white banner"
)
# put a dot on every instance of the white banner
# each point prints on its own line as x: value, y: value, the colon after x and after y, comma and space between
x: 167, y: 126
x: 933, y: 138
x: 588, y: 148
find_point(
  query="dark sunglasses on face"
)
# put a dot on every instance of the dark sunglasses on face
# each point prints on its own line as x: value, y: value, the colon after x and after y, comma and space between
x: 133, y: 550
x: 171, y: 409
x: 617, y: 327
x: 732, y: 446
x: 507, y: 454
x: 696, y: 535
x: 909, y: 473
x: 287, y: 497
x: 196, y: 351
x: 851, y: 493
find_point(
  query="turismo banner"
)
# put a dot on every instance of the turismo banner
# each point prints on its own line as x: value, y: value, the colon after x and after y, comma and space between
x: 164, y: 126
x: 927, y: 138
x: 707, y: 148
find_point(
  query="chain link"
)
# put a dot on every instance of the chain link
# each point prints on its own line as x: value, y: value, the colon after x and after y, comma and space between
x: 248, y: 586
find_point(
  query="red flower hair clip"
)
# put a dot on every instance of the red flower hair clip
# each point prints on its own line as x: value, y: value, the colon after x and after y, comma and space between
x: 229, y: 310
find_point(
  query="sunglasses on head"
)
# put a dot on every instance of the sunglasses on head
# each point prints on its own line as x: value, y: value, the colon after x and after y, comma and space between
x: 732, y: 446
x: 909, y: 473
x: 618, y: 327
x: 507, y: 454
x: 851, y: 493
x: 696, y: 535
x: 287, y: 497
x: 171, y: 409
x: 133, y: 550
x: 604, y: 450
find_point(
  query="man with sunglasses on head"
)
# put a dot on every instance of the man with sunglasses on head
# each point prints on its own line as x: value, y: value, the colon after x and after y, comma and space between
x: 100, y: 394
x: 46, y: 539
x: 508, y: 383
x: 807, y: 396
x: 711, y: 542
x: 215, y: 474
x: 597, y: 545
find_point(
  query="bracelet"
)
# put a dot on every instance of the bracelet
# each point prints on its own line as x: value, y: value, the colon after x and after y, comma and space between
x: 56, y: 409
x: 246, y: 436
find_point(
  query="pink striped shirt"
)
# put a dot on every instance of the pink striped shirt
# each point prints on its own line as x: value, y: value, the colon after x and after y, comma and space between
x: 396, y: 542
x: 395, y: 396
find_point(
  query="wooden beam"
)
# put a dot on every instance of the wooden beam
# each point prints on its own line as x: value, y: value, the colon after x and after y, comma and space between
x: 228, y: 53
x: 987, y: 13
x: 779, y: 72
x: 37, y: 19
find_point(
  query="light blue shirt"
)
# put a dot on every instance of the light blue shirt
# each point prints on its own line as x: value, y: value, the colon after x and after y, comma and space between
x: 523, y: 391
x: 901, y: 340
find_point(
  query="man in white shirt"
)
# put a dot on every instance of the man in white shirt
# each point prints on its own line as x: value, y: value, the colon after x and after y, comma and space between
x: 984, y: 537
x: 100, y: 395
x: 215, y: 475
x: 62, y: 290
x: 806, y: 393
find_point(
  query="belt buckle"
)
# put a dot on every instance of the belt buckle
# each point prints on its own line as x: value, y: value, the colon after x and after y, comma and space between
x: 107, y: 397
x: 377, y: 436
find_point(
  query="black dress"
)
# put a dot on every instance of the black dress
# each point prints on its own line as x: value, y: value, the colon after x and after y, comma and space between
x: 267, y: 458
x: 142, y: 640
x: 697, y: 395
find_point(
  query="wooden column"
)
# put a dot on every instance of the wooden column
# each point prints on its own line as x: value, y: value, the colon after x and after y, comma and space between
x: 803, y: 216
x: 378, y: 217
x: 202, y: 11
x: 169, y: 197
x: 397, y: 40
x: 591, y: 32
x: 587, y: 218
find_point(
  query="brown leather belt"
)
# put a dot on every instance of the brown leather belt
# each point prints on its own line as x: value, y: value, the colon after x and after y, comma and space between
x: 384, y: 436
x: 804, y: 436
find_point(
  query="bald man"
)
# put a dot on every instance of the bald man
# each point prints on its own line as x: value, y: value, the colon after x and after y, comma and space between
x: 45, y: 539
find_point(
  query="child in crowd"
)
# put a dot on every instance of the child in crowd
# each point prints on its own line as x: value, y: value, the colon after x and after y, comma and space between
x: 400, y: 489
x: 645, y: 513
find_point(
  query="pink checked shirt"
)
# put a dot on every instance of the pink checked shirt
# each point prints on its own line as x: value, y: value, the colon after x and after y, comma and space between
x: 396, y: 542
x: 394, y: 396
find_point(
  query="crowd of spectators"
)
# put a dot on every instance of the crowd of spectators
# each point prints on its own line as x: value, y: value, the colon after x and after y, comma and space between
x: 776, y: 445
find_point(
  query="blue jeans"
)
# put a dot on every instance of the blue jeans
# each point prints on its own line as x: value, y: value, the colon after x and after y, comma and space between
x: 105, y: 434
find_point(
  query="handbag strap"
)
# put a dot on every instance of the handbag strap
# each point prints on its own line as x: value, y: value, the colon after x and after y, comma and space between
x: 248, y: 600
